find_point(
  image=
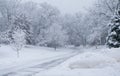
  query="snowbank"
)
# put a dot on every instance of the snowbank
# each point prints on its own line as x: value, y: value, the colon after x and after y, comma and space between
x: 90, y: 60
x: 93, y: 62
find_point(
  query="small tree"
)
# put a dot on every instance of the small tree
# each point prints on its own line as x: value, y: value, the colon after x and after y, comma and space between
x: 17, y: 34
x: 18, y: 40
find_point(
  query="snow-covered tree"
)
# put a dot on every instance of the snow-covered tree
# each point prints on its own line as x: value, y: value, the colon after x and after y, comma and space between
x: 20, y: 33
x: 24, y: 24
x: 98, y: 17
x: 8, y: 9
x: 47, y: 15
x: 76, y: 29
x: 113, y: 39
x: 18, y: 40
x: 56, y: 36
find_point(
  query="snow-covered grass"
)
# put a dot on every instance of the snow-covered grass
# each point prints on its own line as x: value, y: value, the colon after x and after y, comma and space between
x: 30, y: 54
x: 92, y: 62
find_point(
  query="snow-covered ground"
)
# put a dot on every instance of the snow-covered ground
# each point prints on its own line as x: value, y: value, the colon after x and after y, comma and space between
x: 41, y: 61
x: 93, y: 62
x: 29, y: 56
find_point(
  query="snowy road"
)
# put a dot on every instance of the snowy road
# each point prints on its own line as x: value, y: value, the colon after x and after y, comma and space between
x: 37, y: 67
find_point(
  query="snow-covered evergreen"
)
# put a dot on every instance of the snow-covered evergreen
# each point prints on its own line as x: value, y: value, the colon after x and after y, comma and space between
x: 113, y: 39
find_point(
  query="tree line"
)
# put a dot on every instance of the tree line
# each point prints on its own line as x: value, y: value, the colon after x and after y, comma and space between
x: 41, y: 24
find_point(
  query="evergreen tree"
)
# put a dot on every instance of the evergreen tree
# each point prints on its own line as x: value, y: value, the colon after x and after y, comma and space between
x: 113, y: 39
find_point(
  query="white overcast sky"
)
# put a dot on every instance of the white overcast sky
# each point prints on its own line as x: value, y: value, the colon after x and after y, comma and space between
x: 69, y: 6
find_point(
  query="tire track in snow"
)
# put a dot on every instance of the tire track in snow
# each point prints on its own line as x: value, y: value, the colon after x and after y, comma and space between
x: 32, y: 70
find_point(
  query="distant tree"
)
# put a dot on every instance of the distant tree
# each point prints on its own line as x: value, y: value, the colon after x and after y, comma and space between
x: 75, y: 27
x: 8, y: 9
x: 44, y: 17
x: 94, y: 39
x: 56, y: 36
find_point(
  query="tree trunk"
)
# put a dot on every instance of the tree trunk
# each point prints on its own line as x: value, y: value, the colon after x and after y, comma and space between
x: 18, y: 54
x: 96, y: 46
x: 55, y: 47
